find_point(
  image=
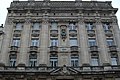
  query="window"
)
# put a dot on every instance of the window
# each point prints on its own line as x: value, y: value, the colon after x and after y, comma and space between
x: 54, y: 42
x: 72, y: 26
x: 74, y: 60
x: 110, y: 41
x: 94, y: 60
x: 92, y: 42
x: 114, y: 59
x: 106, y: 26
x: 54, y: 25
x: 12, y: 60
x: 16, y: 42
x: 35, y: 42
x: 36, y: 26
x: 89, y: 26
x: 32, y: 60
x: 73, y: 42
x: 53, y: 60
x: 18, y: 26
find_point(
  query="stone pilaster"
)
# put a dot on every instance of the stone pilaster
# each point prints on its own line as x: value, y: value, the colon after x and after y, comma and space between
x: 83, y: 43
x: 104, y: 56
x: 22, y: 61
x: 43, y: 58
x: 5, y: 43
x: 116, y: 32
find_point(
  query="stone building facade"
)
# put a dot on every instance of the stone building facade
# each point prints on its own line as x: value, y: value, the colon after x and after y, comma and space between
x: 60, y: 40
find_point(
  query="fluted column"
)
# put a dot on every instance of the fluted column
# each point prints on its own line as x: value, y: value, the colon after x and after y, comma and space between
x: 116, y: 32
x: 44, y: 42
x: 104, y: 56
x: 5, y: 44
x: 22, y: 61
x: 83, y: 43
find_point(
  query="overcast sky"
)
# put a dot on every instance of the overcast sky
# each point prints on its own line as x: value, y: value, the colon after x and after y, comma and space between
x: 6, y: 3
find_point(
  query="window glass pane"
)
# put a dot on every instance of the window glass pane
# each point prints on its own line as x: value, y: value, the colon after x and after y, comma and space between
x: 72, y: 26
x: 54, y: 42
x: 35, y: 42
x: 53, y: 60
x: 36, y: 26
x: 94, y: 61
x: 114, y: 60
x: 74, y: 60
x: 106, y: 26
x: 16, y: 42
x: 92, y: 42
x: 89, y: 26
x: 12, y: 60
x: 73, y: 41
x: 19, y: 26
x: 54, y: 26
x: 32, y: 60
x: 110, y: 42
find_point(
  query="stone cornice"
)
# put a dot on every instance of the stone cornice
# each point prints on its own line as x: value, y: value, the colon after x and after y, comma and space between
x: 61, y: 5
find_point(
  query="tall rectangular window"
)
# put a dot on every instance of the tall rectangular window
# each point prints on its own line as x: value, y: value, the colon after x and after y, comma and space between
x: 35, y: 42
x: 53, y: 60
x: 114, y: 59
x: 72, y: 26
x: 74, y: 60
x: 54, y: 25
x: 18, y: 26
x: 16, y: 42
x: 110, y: 41
x: 94, y: 60
x: 54, y: 42
x: 32, y: 60
x: 12, y: 60
x: 73, y: 42
x: 92, y: 41
x: 89, y: 26
x: 106, y: 26
x: 36, y: 26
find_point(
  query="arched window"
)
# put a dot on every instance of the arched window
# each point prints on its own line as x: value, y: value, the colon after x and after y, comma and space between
x: 94, y: 60
x: 12, y: 60
x: 74, y: 60
x: 32, y: 60
x: 53, y: 60
x: 114, y: 59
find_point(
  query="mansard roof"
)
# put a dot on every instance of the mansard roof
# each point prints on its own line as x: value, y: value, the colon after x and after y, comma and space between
x: 62, y: 5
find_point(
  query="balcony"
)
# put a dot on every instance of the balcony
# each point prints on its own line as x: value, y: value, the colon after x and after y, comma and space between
x: 35, y: 33
x: 74, y: 48
x: 54, y: 33
x: 94, y: 48
x: 113, y: 48
x: 17, y: 33
x: 108, y: 33
x: 14, y: 49
x: 53, y: 49
x: 91, y: 33
x: 73, y: 33
x: 33, y: 49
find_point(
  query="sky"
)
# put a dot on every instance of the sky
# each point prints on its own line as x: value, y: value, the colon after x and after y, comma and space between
x: 6, y: 3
